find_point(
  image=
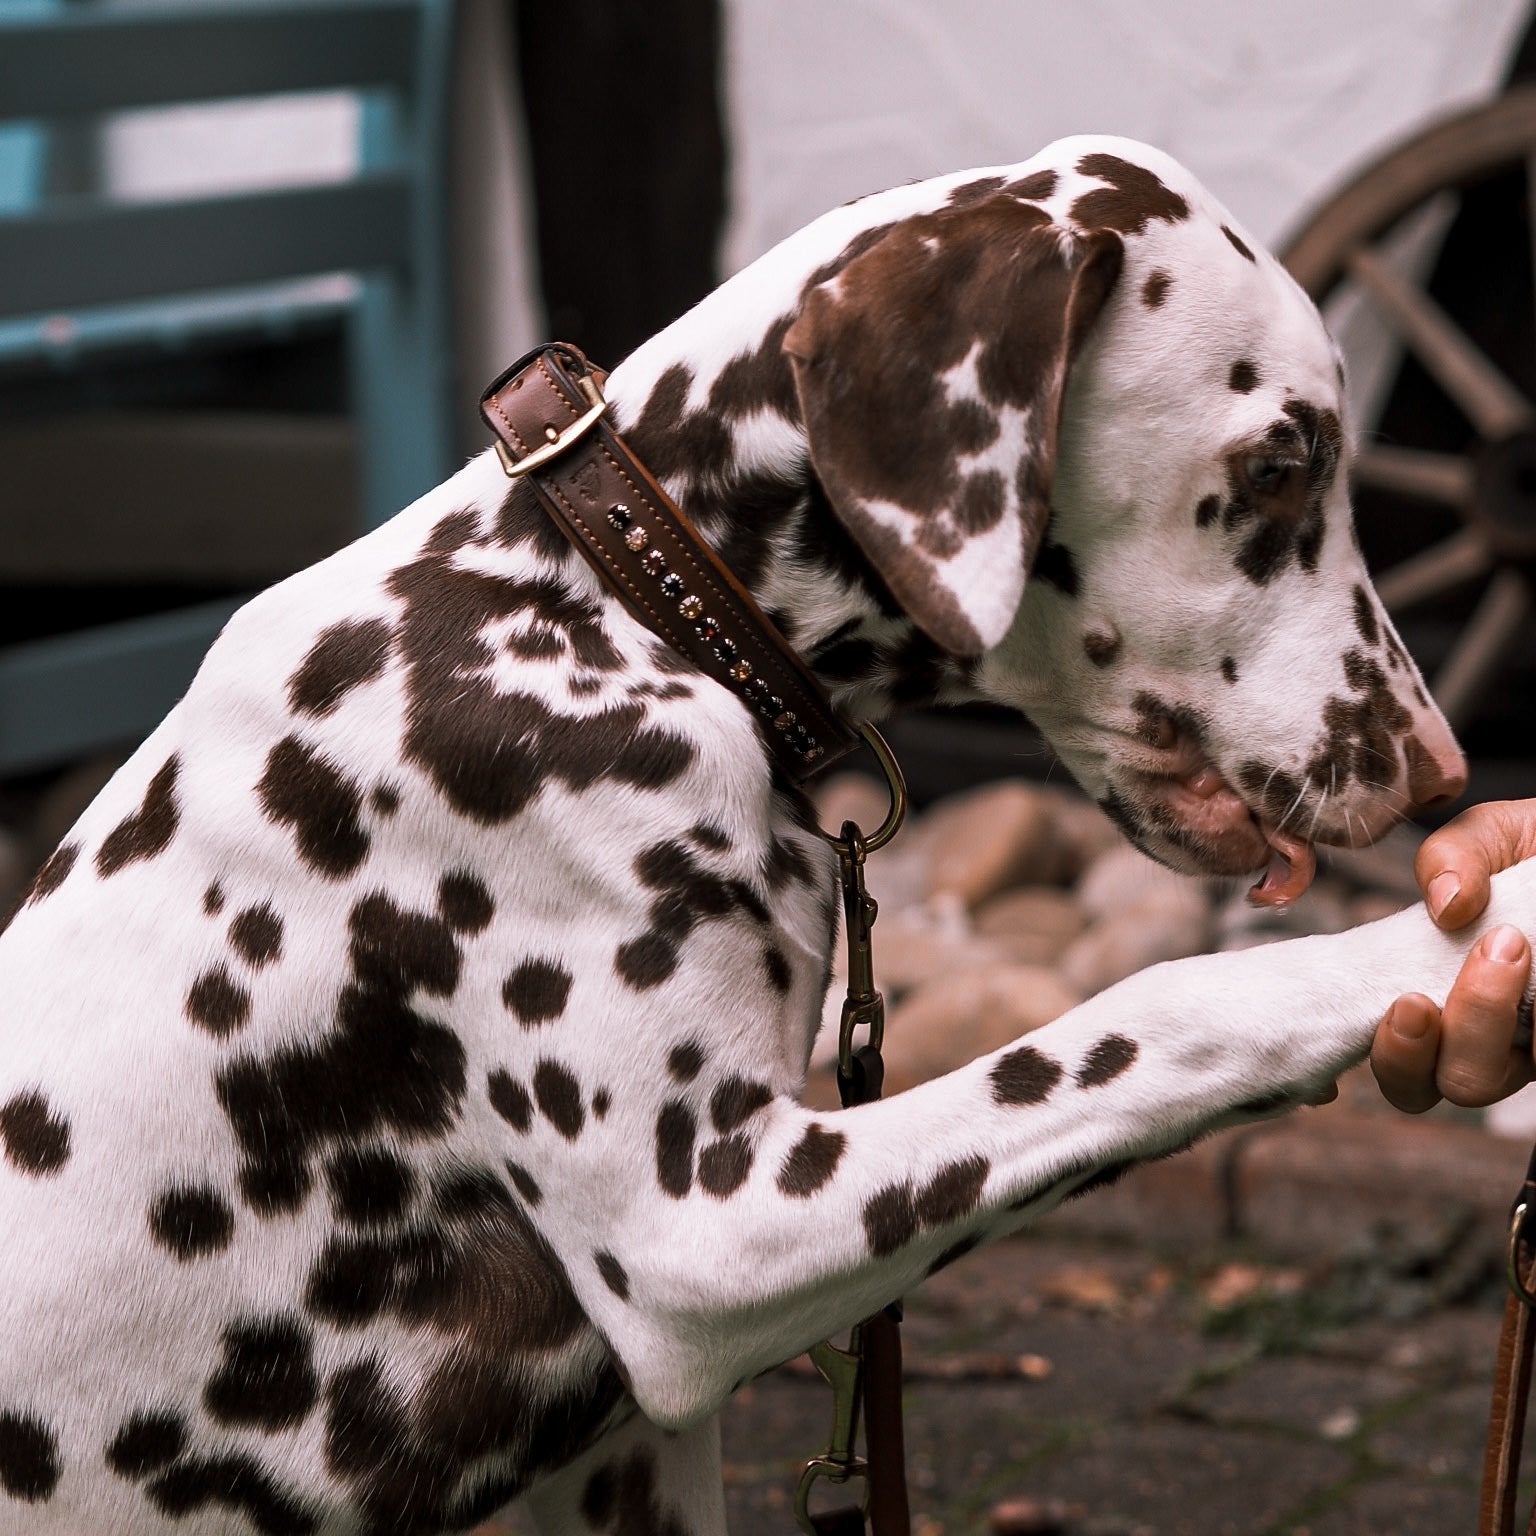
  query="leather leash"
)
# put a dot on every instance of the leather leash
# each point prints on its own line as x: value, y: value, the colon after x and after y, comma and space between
x: 868, y: 1373
x: 550, y: 419
x: 1512, y: 1371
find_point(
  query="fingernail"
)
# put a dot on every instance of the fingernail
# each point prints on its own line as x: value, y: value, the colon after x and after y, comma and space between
x: 1408, y: 1023
x: 1442, y: 891
x: 1504, y: 944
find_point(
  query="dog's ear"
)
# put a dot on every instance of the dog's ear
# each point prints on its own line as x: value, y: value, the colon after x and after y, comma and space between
x: 930, y: 371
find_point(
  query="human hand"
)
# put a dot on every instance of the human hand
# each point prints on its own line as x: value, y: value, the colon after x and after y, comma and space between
x: 1465, y: 1051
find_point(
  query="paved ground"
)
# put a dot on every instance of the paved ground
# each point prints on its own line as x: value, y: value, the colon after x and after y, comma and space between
x: 1287, y: 1332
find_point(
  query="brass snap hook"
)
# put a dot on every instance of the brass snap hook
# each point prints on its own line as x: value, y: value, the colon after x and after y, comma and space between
x: 1517, y: 1282
x: 896, y: 783
x: 843, y: 1371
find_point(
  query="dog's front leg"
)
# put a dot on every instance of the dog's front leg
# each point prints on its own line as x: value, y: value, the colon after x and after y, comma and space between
x: 830, y: 1216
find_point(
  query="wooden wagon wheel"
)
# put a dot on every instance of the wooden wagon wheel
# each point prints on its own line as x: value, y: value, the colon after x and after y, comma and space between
x: 1492, y: 487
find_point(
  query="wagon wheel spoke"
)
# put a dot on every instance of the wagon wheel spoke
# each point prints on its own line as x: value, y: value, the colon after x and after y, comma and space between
x: 1491, y: 631
x: 1416, y: 472
x: 1492, y: 404
x: 1440, y: 568
x: 1530, y: 203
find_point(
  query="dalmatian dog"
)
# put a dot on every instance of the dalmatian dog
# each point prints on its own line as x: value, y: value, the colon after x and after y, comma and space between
x: 400, y: 1060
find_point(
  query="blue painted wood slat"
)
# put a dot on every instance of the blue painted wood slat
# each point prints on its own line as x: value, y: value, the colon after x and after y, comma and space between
x: 60, y: 64
x: 52, y: 259
x: 87, y: 59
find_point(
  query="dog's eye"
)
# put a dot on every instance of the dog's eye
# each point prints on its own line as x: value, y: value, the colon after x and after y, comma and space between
x: 1267, y: 475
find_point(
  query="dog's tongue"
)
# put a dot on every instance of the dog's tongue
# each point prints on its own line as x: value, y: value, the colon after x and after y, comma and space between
x: 1292, y: 865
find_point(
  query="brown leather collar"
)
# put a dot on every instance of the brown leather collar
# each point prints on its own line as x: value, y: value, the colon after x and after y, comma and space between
x: 548, y: 414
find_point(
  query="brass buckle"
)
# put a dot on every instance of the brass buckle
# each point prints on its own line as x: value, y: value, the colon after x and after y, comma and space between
x: 546, y: 452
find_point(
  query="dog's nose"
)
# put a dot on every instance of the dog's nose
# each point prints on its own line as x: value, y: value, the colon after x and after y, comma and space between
x: 1437, y: 770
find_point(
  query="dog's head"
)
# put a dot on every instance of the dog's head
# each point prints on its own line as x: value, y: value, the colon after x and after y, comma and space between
x: 1093, y: 437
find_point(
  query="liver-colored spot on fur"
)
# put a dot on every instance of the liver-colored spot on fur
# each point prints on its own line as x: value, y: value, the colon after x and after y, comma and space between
x: 29, y: 1457
x: 1134, y: 197
x: 709, y: 836
x: 1026, y: 1075
x: 491, y: 750
x: 1243, y: 377
x: 724, y: 1166
x: 149, y: 829
x: 1155, y: 289
x: 1108, y: 1059
x: 303, y: 789
x: 510, y: 1099
x: 1229, y: 669
x: 234, y: 1481
x: 36, y: 1139
x: 890, y: 1219
x: 896, y: 1214
x: 686, y: 1061
x: 275, y: 1181
x: 811, y: 1161
x: 675, y: 440
x: 1035, y: 187
x: 953, y: 1192
x: 747, y: 384
x: 971, y: 192
x: 464, y: 902
x: 687, y: 894
x: 257, y: 935
x: 454, y: 530
x: 55, y: 869
x: 398, y: 951
x: 384, y: 1066
x: 646, y: 961
x: 559, y: 1098
x: 215, y: 1002
x: 267, y: 1377
x: 676, y: 1130
x: 213, y: 899
x: 1238, y: 246
x: 343, y: 657
x: 524, y: 1183
x: 613, y: 1273
x: 1360, y: 734
x: 1365, y: 616
x: 370, y: 1186
x: 734, y: 1100
x: 537, y: 991
x: 776, y: 969
x: 145, y: 1441
x: 190, y: 1221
